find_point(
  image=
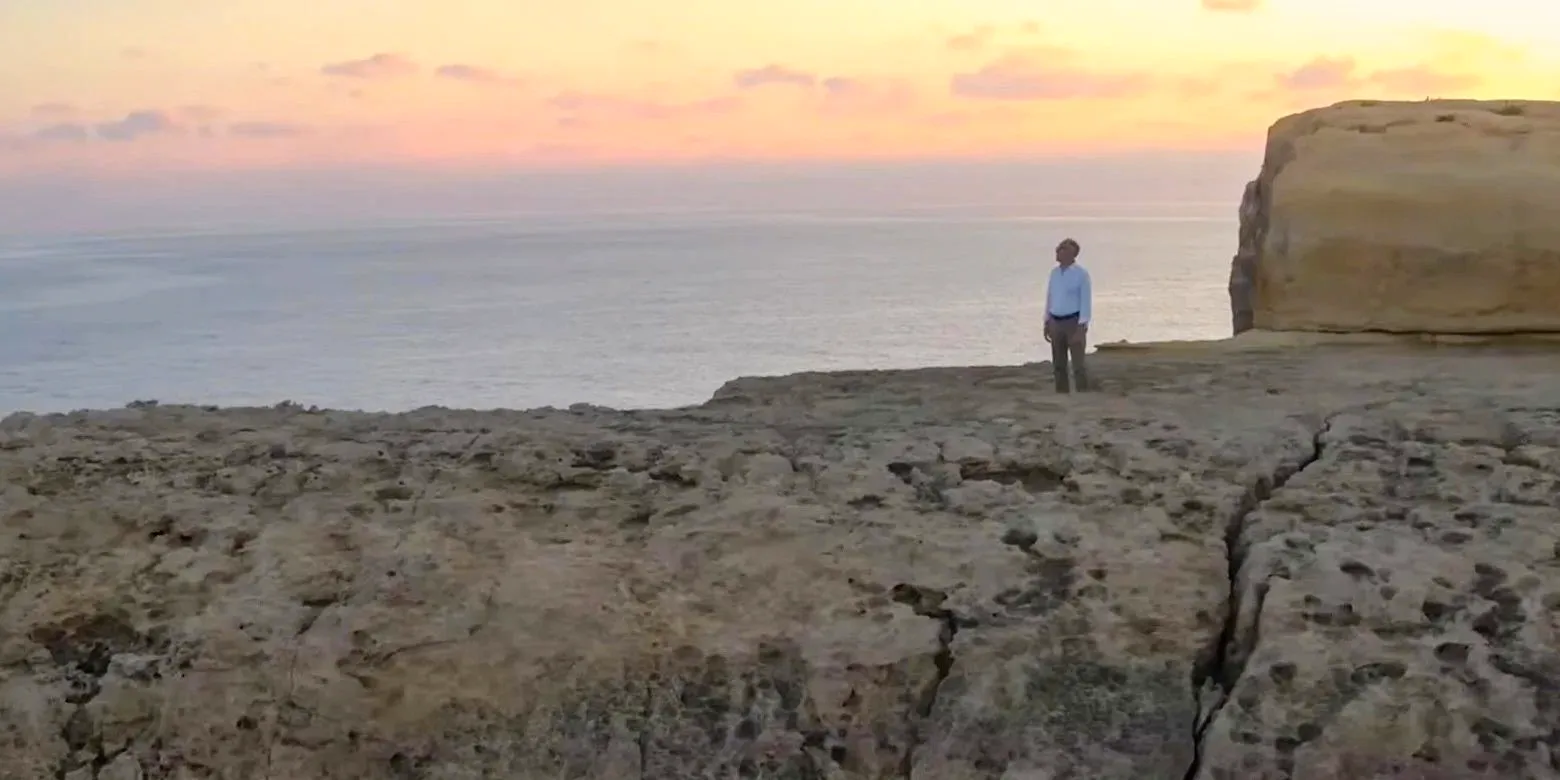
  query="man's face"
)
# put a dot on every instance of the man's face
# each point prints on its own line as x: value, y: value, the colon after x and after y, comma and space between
x: 1065, y: 254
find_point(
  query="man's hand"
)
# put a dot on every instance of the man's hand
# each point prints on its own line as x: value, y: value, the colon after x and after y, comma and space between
x: 1083, y: 328
x: 1047, y: 330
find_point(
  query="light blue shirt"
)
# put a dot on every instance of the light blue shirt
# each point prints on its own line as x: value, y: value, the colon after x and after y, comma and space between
x: 1068, y: 293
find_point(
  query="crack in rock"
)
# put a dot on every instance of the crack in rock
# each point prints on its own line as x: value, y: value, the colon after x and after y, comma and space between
x: 927, y: 602
x: 642, y: 739
x: 1217, y: 674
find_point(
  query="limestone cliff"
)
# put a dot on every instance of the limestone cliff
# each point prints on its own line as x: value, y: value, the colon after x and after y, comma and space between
x: 1278, y: 564
x: 1438, y: 216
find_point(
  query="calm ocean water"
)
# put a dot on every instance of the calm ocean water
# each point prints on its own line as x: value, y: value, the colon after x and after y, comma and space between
x: 629, y: 310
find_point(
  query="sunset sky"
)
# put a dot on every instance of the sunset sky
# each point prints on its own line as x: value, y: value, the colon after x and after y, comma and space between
x: 106, y: 86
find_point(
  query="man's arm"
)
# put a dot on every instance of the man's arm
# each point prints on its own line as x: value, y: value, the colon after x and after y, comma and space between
x: 1046, y: 328
x: 1086, y: 300
x: 1050, y: 290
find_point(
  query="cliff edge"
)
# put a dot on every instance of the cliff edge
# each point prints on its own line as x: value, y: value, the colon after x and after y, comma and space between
x: 1292, y: 563
x: 1439, y: 216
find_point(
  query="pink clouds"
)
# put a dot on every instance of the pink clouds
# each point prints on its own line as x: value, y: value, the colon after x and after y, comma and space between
x: 970, y: 87
x: 267, y: 130
x: 65, y: 132
x: 474, y: 74
x: 378, y: 66
x: 136, y: 125
x: 153, y: 123
x: 387, y: 66
x: 583, y: 108
x: 984, y: 37
x: 1342, y: 73
x: 773, y: 75
x: 973, y: 40
x: 1027, y: 79
x: 838, y: 94
x: 1320, y: 73
x: 844, y: 86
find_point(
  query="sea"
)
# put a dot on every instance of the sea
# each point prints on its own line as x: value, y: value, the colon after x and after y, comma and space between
x: 629, y: 309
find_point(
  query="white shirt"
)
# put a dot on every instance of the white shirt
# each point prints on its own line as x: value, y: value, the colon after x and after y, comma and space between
x: 1068, y: 292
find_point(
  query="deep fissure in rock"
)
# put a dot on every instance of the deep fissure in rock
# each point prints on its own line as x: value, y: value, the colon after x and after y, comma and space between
x: 83, y: 650
x: 927, y: 603
x: 1225, y: 662
x: 642, y: 739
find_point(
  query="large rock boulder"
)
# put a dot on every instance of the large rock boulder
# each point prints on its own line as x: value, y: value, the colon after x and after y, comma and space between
x: 1439, y: 216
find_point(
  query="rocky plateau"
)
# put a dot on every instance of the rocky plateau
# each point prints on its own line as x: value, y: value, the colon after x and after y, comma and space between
x: 1229, y: 563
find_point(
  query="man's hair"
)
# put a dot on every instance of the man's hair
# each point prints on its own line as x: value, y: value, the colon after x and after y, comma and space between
x: 1068, y: 243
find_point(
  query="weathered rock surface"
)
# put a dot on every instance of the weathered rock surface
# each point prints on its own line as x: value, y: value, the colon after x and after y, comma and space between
x: 1438, y: 216
x: 1299, y: 563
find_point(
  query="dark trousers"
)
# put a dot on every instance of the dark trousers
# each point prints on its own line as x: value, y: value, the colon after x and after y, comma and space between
x: 1067, y: 345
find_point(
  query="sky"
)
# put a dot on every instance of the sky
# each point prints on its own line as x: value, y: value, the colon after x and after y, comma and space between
x: 99, y: 91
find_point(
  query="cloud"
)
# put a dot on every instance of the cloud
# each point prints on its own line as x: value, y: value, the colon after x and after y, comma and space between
x: 1023, y: 78
x: 379, y: 66
x: 136, y: 125
x: 473, y: 74
x: 773, y: 75
x: 845, y: 94
x: 54, y: 111
x: 1319, y: 73
x: 1341, y: 73
x: 838, y: 94
x: 985, y: 36
x: 131, y: 127
x: 973, y: 40
x: 135, y: 53
x: 200, y: 113
x: 266, y: 130
x: 148, y: 123
x: 63, y: 132
x: 844, y: 86
x: 1235, y: 6
x: 582, y: 107
x: 836, y: 90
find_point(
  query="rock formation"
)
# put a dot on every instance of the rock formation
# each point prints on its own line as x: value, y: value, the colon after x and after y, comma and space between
x: 1243, y: 269
x: 1280, y: 564
x: 1438, y: 216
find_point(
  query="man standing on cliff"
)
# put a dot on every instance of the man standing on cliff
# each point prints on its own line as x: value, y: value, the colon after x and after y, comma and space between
x: 1069, y: 303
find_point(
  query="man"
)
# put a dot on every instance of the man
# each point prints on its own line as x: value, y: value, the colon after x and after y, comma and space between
x: 1069, y: 302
